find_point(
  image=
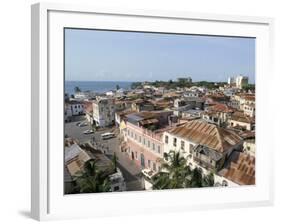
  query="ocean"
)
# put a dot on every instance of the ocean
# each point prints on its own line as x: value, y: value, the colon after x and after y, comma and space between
x: 96, y: 86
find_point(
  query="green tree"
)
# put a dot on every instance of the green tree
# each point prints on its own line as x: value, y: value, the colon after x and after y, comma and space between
x: 77, y: 89
x: 91, y: 179
x: 176, y: 174
x: 173, y: 172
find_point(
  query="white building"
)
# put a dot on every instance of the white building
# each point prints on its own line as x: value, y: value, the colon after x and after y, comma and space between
x: 84, y: 95
x: 249, y: 109
x: 204, y: 145
x: 104, y: 111
x: 67, y: 113
x: 230, y: 81
x: 74, y: 108
x: 117, y: 181
x: 238, y: 81
x: 241, y: 81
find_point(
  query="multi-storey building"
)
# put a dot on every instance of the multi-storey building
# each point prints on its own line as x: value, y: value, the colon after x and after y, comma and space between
x: 203, y: 144
x: 143, y: 137
x: 73, y: 108
x: 104, y: 111
x: 241, y: 81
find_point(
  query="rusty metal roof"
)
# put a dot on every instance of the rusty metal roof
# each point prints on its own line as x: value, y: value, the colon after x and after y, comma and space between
x: 201, y: 132
x: 241, y: 170
x: 149, y: 121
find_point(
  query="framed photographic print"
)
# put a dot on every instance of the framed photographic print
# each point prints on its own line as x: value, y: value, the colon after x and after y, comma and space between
x: 148, y: 111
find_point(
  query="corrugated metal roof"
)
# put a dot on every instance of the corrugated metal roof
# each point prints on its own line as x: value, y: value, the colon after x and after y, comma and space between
x: 210, y: 135
x: 241, y: 171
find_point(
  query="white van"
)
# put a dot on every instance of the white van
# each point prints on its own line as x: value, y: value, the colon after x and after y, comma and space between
x: 107, y: 135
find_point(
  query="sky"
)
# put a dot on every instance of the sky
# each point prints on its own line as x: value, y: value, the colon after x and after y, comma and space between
x: 96, y: 55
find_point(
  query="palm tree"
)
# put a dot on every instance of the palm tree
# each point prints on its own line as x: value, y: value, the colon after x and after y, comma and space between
x: 173, y: 172
x: 114, y: 161
x: 176, y: 174
x: 91, y: 179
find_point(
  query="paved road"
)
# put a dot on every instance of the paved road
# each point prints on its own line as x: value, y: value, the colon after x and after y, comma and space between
x: 130, y: 171
x: 76, y: 132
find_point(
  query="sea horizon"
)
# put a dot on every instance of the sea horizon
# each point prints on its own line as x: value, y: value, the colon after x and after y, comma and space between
x: 96, y: 86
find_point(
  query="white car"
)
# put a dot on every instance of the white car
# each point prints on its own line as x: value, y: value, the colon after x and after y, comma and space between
x: 107, y: 135
x: 148, y: 173
x: 83, y: 124
x: 88, y: 132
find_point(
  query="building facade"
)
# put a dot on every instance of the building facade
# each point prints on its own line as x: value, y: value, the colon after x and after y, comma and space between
x: 104, y: 111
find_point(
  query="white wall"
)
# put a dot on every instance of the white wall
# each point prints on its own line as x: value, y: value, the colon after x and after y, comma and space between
x: 15, y: 76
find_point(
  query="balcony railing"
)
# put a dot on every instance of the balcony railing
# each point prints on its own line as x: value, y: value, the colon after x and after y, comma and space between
x: 203, y: 163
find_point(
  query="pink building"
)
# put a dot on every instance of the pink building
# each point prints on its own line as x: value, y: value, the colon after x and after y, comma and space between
x: 143, y: 138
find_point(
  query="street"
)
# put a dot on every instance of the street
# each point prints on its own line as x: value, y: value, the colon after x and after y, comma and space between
x: 131, y: 172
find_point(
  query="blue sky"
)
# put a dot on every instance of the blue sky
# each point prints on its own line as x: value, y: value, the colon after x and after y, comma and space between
x: 94, y: 55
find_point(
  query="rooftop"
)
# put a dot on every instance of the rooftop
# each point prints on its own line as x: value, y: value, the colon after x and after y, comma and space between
x: 240, y: 117
x: 241, y: 169
x: 203, y: 133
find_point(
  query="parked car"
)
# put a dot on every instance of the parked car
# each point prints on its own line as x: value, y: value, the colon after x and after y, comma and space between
x: 107, y: 135
x: 88, y: 132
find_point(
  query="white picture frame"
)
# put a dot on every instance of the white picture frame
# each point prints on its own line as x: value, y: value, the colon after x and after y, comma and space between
x: 48, y: 201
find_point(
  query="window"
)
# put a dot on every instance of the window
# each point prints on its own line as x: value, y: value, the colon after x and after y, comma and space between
x: 116, y: 188
x: 175, y: 142
x: 128, y: 132
x: 190, y: 148
x: 166, y: 139
x: 153, y: 146
x: 148, y: 162
x: 135, y: 136
x: 136, y: 155
x: 159, y: 151
x: 154, y: 166
x: 144, y: 141
x: 148, y: 143
x: 139, y: 139
x: 132, y: 134
x: 182, y: 145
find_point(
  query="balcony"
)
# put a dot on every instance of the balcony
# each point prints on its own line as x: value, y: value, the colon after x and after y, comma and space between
x: 201, y: 162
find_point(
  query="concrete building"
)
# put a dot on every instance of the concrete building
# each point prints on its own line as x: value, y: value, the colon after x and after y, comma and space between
x: 242, y: 122
x: 143, y: 137
x: 249, y: 109
x: 241, y: 81
x: 67, y: 113
x: 231, y: 81
x: 218, y: 114
x: 185, y: 80
x: 238, y: 81
x: 204, y: 145
x: 84, y: 95
x: 104, y: 111
x: 73, y: 108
